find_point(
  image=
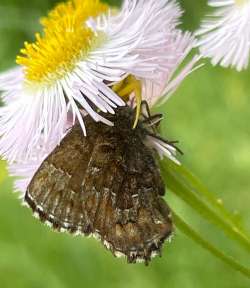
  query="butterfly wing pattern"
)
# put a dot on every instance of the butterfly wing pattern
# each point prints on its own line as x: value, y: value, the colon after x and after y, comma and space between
x: 107, y: 185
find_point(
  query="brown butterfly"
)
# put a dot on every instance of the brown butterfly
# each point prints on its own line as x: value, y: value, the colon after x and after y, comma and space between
x: 107, y: 184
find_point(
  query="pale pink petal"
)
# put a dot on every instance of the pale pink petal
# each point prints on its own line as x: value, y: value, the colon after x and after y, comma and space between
x: 225, y: 35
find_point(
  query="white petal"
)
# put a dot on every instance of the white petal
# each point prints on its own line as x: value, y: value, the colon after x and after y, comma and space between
x: 142, y: 40
x: 163, y: 149
x: 225, y: 36
x: 11, y: 79
x: 34, y: 116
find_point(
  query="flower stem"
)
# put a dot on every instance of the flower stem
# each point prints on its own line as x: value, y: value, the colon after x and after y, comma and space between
x: 201, y: 190
x: 190, y: 193
x: 188, y: 231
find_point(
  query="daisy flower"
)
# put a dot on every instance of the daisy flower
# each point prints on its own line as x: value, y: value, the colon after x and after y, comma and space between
x: 89, y: 59
x: 225, y: 35
x: 85, y: 50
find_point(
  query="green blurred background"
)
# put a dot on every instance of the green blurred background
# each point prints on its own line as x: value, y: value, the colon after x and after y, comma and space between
x: 209, y: 114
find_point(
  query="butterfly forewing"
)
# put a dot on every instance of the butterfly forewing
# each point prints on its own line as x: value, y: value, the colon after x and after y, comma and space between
x: 106, y: 184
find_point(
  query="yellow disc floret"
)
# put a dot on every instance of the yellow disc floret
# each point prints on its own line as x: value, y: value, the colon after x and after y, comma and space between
x: 66, y: 40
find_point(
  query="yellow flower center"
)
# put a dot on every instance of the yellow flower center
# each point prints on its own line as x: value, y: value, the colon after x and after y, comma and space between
x: 66, y: 40
x: 241, y: 2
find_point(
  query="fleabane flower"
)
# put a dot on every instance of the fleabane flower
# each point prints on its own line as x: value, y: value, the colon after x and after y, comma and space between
x: 25, y: 170
x: 85, y: 50
x: 225, y: 35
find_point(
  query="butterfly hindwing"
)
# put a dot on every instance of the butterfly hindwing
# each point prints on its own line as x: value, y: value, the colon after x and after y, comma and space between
x: 54, y: 192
